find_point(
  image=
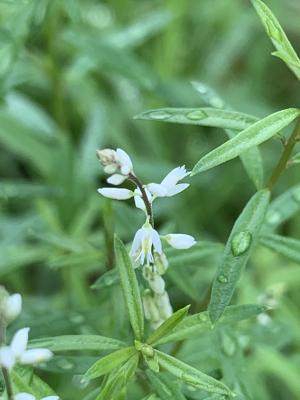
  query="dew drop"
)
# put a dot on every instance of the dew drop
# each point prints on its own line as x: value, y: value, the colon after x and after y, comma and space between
x: 203, y: 317
x: 160, y: 115
x: 273, y: 217
x: 223, y: 278
x: 241, y: 243
x: 196, y: 115
x: 216, y: 102
x: 202, y: 89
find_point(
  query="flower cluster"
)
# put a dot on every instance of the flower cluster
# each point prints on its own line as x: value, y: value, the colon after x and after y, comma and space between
x: 16, y: 352
x: 147, y: 249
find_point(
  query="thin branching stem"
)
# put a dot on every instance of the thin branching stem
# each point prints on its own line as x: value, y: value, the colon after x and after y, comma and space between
x: 148, y: 204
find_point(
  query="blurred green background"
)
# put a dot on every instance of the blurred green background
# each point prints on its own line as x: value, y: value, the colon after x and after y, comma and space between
x: 73, y: 74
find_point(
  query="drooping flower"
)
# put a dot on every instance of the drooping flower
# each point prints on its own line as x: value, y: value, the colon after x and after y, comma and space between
x: 169, y: 185
x: 180, y: 240
x: 144, y: 239
x: 27, y: 396
x: 116, y: 193
x: 115, y: 161
x: 16, y: 352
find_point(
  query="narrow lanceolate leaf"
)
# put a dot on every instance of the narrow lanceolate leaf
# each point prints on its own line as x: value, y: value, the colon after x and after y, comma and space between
x: 168, y: 325
x: 251, y: 159
x: 282, y: 208
x: 288, y: 247
x: 285, y: 50
x: 197, y: 324
x: 256, y: 134
x: 242, y: 240
x: 77, y: 342
x: 204, y: 116
x: 130, y: 289
x: 118, y: 379
x: 165, y: 387
x: 108, y: 363
x: 191, y: 375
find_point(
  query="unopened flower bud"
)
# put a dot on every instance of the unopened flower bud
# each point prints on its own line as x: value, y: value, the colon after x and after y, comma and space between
x: 116, y: 194
x: 164, y: 305
x: 161, y: 262
x: 150, y: 308
x: 108, y: 159
x: 13, y: 307
x: 180, y: 241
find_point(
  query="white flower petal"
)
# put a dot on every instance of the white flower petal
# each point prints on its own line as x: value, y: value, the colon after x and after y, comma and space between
x: 116, y: 179
x: 125, y: 161
x: 13, y: 306
x: 137, y: 243
x: 50, y: 398
x: 35, y: 356
x: 156, y: 241
x: 24, y: 396
x: 139, y: 203
x: 180, y: 241
x: 116, y: 194
x: 156, y: 189
x: 19, y: 342
x: 7, y: 357
x: 177, y: 189
x: 174, y: 176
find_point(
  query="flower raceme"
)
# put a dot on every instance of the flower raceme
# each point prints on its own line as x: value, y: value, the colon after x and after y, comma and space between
x: 16, y: 352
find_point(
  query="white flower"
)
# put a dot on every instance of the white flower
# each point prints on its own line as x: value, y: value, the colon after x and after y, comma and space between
x: 179, y: 240
x: 138, y: 200
x: 13, y: 307
x: 116, y: 194
x: 169, y: 187
x: 115, y: 160
x: 116, y: 179
x: 16, y: 351
x: 27, y: 396
x: 144, y: 239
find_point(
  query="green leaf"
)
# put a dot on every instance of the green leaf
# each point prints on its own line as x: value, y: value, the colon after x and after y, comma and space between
x: 168, y: 325
x: 24, y: 380
x: 108, y: 363
x: 254, y: 135
x: 109, y: 278
x: 285, y: 50
x: 130, y: 289
x: 288, y: 247
x: 77, y: 342
x: 295, y: 159
x: 164, y: 387
x: 251, y: 159
x: 241, y: 241
x: 191, y: 375
x: 204, y: 116
x: 283, y: 207
x: 118, y: 378
x: 197, y: 324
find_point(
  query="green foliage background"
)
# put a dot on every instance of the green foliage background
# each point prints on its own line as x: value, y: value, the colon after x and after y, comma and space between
x: 72, y: 76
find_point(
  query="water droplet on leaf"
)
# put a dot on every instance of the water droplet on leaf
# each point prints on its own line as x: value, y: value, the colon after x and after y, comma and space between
x: 241, y: 243
x: 196, y: 115
x: 273, y: 217
x: 223, y: 278
x: 159, y: 115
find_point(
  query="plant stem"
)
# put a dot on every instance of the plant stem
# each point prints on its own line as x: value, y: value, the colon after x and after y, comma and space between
x: 148, y: 205
x: 284, y: 159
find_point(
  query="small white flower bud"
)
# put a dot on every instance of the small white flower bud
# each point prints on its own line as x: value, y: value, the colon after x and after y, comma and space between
x: 13, y: 307
x: 164, y: 305
x: 156, y: 283
x: 150, y: 308
x: 161, y: 262
x: 116, y: 194
x: 116, y: 179
x: 35, y: 356
x: 108, y: 159
x: 180, y: 241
